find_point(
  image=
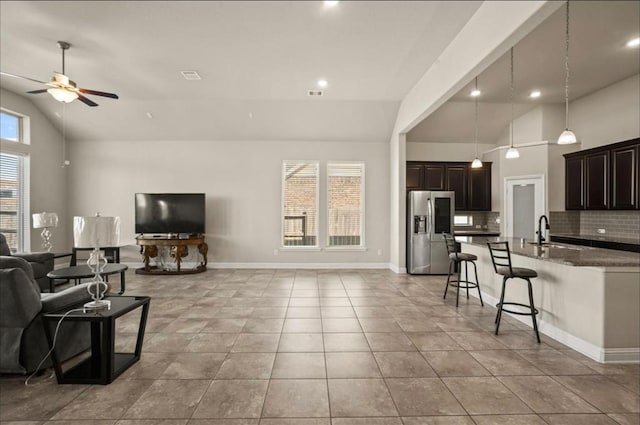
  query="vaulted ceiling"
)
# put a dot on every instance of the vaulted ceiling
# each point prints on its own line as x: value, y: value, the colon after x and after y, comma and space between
x: 257, y: 61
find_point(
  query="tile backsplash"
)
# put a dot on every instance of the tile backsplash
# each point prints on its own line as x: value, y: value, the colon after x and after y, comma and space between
x: 485, y: 219
x: 623, y: 224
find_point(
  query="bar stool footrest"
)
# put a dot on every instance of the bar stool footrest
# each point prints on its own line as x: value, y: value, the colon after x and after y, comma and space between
x: 469, y: 285
x: 500, y: 307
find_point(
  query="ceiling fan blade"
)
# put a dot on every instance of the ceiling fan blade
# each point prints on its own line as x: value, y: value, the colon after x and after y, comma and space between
x: 37, y: 91
x: 21, y: 77
x: 98, y: 93
x: 86, y: 101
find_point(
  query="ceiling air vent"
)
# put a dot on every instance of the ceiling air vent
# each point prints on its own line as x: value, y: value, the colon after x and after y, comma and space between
x: 191, y: 75
x: 315, y: 93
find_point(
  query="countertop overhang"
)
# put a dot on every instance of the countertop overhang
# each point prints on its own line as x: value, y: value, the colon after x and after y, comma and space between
x: 572, y: 255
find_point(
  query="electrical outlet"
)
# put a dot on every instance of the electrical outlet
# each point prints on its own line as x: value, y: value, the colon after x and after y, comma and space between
x: 379, y: 252
x: 275, y: 251
x: 478, y: 226
x: 602, y: 231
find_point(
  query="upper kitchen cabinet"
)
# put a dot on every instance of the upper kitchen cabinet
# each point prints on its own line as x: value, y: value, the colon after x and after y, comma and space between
x: 624, y: 177
x: 415, y: 176
x: 602, y: 178
x: 472, y: 186
x: 479, y: 198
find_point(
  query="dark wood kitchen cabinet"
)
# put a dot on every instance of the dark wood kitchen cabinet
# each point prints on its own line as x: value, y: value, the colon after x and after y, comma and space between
x: 415, y: 176
x: 606, y: 177
x: 479, y: 198
x: 596, y: 181
x: 574, y: 176
x: 457, y: 182
x: 471, y: 186
x: 624, y: 177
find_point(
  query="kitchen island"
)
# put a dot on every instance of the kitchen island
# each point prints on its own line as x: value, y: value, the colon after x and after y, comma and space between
x: 588, y: 298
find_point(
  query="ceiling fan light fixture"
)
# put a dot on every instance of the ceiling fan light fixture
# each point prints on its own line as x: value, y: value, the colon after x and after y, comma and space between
x: 567, y: 138
x: 62, y: 95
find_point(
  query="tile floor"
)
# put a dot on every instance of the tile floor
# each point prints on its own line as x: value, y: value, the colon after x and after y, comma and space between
x: 314, y: 347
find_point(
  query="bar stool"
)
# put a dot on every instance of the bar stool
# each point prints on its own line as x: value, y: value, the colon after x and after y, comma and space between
x: 501, y: 258
x: 455, y: 265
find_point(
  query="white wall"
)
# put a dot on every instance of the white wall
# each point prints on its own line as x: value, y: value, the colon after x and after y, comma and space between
x: 48, y: 178
x: 465, y: 152
x: 608, y: 115
x: 243, y: 188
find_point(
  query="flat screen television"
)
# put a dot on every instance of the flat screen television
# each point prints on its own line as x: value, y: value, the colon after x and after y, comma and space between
x: 170, y: 212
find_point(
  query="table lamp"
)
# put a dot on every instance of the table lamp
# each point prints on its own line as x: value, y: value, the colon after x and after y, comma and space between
x: 95, y: 232
x: 45, y: 221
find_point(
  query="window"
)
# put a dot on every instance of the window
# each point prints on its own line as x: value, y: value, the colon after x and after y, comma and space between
x: 300, y: 203
x: 10, y: 127
x: 13, y: 201
x: 463, y: 220
x: 14, y: 181
x: 345, y: 204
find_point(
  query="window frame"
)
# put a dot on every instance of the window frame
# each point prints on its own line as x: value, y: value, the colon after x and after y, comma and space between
x: 23, y: 129
x: 23, y: 215
x: 362, y: 245
x: 283, y: 169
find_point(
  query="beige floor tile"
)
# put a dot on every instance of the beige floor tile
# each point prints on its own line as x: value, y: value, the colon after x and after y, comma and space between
x: 351, y: 365
x: 505, y: 362
x: 438, y: 420
x: 299, y: 365
x: 603, y: 393
x: 477, y: 341
x: 335, y: 342
x: 247, y: 366
x: 429, y: 341
x: 150, y: 366
x: 366, y: 421
x: 296, y: 398
x: 256, y: 343
x: 509, y: 420
x: 303, y: 312
x: 296, y: 421
x: 423, y: 397
x: 211, y: 343
x: 301, y: 343
x: 626, y: 418
x: 263, y: 325
x: 544, y: 395
x: 454, y: 363
x: 417, y: 325
x: 379, y: 325
x: 597, y: 419
x: 485, y: 396
x: 340, y: 325
x: 233, y: 399
x: 194, y: 366
x: 172, y: 399
x: 389, y: 342
x: 302, y: 326
x: 360, y: 398
x: 224, y: 325
x: 403, y: 365
x: 554, y: 362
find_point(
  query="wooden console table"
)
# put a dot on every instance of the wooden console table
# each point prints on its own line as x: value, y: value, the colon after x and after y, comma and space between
x: 179, y: 247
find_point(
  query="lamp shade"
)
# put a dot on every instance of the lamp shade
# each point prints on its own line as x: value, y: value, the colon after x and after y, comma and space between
x: 512, y: 153
x: 97, y: 231
x: 44, y: 219
x: 62, y: 95
x: 567, y: 138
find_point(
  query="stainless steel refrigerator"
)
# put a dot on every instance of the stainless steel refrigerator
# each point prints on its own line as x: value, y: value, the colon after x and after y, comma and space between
x: 429, y: 214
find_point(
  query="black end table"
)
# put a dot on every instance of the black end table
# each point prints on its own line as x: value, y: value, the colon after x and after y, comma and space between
x: 84, y: 272
x: 105, y: 364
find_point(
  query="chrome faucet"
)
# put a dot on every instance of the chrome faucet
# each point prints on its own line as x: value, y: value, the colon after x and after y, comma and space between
x: 539, y: 232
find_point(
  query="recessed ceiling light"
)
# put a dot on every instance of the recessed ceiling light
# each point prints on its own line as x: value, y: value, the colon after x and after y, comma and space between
x: 535, y: 94
x: 634, y: 42
x: 475, y: 93
x: 331, y: 3
x: 323, y: 83
x: 149, y: 115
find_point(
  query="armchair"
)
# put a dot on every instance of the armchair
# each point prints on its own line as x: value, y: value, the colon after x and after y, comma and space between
x: 23, y: 342
x: 41, y: 262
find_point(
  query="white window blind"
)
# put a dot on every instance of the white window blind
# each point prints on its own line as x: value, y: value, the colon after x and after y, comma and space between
x: 11, y: 197
x: 300, y: 203
x: 345, y: 204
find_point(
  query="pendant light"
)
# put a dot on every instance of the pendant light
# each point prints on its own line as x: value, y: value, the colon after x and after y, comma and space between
x: 567, y: 137
x: 476, y: 162
x: 511, y: 152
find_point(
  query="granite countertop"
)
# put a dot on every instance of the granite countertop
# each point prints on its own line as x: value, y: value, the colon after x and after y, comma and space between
x: 603, y: 238
x: 572, y: 255
x: 475, y: 232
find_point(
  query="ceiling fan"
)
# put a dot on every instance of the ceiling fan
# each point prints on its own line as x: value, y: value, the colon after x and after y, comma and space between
x: 62, y: 88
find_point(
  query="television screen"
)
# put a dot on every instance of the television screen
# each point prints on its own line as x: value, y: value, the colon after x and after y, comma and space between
x: 170, y: 212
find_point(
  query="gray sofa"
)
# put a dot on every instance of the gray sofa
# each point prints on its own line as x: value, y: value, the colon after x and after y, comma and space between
x: 41, y: 262
x: 23, y: 342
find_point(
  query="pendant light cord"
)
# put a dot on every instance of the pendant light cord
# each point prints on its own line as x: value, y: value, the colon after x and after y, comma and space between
x: 566, y: 69
x: 511, y: 99
x: 476, y: 117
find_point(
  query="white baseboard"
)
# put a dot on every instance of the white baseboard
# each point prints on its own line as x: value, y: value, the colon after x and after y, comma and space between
x: 398, y: 270
x: 384, y: 266
x: 594, y: 352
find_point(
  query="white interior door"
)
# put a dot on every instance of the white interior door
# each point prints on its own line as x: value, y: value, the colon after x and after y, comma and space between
x: 525, y: 203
